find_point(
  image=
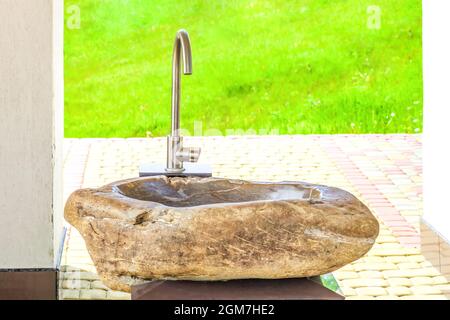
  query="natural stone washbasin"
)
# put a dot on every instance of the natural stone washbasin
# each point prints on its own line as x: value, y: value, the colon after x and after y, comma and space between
x: 218, y: 229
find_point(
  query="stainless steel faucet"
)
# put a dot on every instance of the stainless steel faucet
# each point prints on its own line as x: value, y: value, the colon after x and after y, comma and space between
x: 176, y: 153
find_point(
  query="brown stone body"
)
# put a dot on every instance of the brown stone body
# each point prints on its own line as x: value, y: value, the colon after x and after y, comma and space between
x: 218, y: 229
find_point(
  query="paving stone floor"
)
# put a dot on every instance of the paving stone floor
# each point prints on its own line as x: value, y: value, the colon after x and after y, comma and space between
x: 384, y: 171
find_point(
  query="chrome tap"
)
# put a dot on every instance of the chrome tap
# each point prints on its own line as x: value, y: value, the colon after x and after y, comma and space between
x: 176, y: 153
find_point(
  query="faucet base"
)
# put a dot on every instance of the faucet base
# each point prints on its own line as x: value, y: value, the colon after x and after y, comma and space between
x: 191, y: 170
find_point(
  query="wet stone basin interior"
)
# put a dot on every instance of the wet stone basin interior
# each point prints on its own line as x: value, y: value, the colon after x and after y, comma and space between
x: 209, y: 191
x: 210, y: 229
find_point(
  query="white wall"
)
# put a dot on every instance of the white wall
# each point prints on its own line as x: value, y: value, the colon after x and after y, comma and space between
x: 30, y: 132
x: 436, y: 64
x: 58, y: 124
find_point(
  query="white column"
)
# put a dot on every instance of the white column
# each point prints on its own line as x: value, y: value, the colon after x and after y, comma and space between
x: 31, y: 103
x: 436, y: 66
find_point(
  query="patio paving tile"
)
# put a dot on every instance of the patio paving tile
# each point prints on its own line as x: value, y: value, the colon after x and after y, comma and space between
x: 384, y: 171
x: 399, y: 291
x: 371, y: 291
x: 92, y: 294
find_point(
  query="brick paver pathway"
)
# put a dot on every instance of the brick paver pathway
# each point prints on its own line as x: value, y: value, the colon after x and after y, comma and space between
x: 384, y: 171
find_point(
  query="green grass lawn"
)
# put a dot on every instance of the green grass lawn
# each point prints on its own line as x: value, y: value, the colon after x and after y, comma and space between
x: 311, y: 66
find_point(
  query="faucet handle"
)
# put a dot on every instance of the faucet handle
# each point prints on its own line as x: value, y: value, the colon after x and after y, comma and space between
x: 190, y: 154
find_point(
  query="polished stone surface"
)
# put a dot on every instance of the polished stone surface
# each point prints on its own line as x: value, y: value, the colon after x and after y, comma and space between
x: 218, y: 229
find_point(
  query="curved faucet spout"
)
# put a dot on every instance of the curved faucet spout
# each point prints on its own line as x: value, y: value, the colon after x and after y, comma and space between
x: 182, y: 43
x: 182, y: 38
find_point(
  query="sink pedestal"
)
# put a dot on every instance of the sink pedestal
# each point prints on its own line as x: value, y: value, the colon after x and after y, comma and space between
x: 251, y: 289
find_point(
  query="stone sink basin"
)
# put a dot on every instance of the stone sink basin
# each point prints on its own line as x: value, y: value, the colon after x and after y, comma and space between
x: 218, y: 229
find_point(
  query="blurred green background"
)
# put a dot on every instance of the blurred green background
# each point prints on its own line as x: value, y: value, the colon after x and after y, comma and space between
x: 311, y: 66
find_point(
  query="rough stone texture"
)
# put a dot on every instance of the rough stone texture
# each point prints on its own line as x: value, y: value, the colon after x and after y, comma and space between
x: 218, y: 229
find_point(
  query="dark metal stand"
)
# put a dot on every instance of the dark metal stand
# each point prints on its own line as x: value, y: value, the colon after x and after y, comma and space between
x: 251, y: 289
